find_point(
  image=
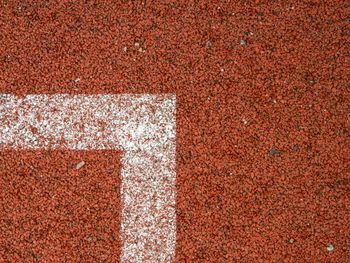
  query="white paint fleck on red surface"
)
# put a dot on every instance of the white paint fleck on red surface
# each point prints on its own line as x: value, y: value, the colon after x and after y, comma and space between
x: 141, y: 126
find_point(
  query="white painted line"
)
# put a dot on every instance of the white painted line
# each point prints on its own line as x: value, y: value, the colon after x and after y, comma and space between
x: 142, y: 126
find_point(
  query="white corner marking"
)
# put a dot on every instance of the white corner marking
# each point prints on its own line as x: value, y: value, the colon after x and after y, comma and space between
x: 141, y: 126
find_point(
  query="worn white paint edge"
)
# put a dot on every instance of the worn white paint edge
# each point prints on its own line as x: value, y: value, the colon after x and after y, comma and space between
x: 141, y: 126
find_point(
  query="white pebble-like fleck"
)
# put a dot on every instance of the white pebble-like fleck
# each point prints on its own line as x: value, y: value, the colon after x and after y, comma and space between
x: 330, y: 247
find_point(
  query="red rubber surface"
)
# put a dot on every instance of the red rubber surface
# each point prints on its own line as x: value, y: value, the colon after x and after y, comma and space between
x: 53, y: 212
x: 262, y: 115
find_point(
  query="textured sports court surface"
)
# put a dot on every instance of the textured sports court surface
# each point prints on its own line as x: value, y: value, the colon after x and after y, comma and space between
x: 175, y: 131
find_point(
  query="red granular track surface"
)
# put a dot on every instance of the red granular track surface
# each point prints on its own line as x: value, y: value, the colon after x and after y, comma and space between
x: 262, y: 119
x: 53, y: 212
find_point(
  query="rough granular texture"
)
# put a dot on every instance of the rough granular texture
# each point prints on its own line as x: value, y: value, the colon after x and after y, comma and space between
x: 263, y: 101
x: 59, y: 206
